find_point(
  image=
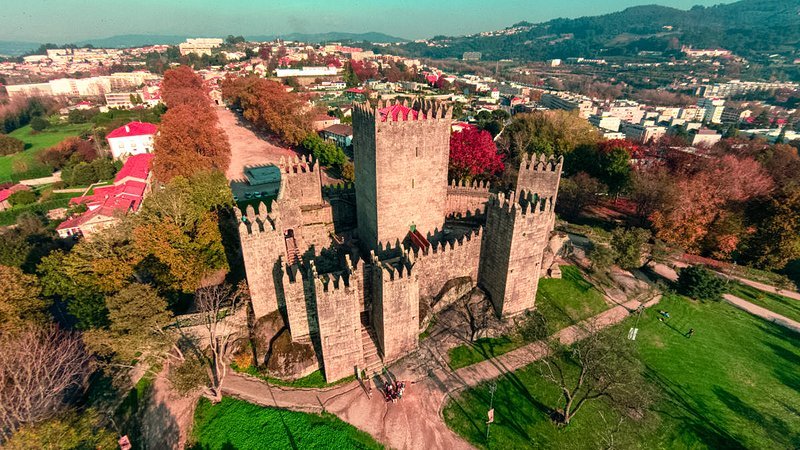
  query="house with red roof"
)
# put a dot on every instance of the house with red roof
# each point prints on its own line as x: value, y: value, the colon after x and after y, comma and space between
x: 134, y: 138
x: 5, y: 193
x: 108, y: 204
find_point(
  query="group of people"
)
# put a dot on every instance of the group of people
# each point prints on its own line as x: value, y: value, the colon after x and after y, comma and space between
x: 394, y: 390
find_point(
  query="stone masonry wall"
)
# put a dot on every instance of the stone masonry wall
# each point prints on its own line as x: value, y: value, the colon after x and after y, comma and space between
x: 447, y: 261
x: 540, y: 175
x: 339, y: 321
x: 395, y: 310
x: 514, y: 240
x: 263, y: 245
x: 401, y: 168
x: 302, y: 180
x: 297, y: 291
x: 463, y: 200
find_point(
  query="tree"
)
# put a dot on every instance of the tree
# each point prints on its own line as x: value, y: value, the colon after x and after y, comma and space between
x: 189, y: 141
x: 42, y: 370
x: 601, y: 256
x: 20, y: 300
x: 183, y: 86
x: 652, y: 190
x: 550, y: 132
x: 609, y: 164
x: 10, y: 145
x: 268, y: 105
x: 137, y: 318
x: 69, y: 151
x: 599, y: 366
x: 700, y: 283
x: 348, y: 172
x: 473, y: 154
x: 776, y: 241
x: 628, y: 244
x: 326, y: 152
x: 217, y: 304
x: 578, y: 192
x: 23, y: 197
x: 69, y: 431
x: 39, y: 124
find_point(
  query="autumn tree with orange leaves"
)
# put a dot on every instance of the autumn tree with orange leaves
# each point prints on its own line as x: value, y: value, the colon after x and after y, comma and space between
x: 269, y: 106
x: 189, y: 139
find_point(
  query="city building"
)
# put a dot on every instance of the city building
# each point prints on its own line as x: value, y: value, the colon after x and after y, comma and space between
x: 705, y: 137
x: 569, y: 102
x: 712, y: 109
x: 605, y: 121
x: 199, y: 46
x: 364, y: 308
x: 134, y: 138
x: 642, y: 133
x: 471, y: 56
x: 340, y: 134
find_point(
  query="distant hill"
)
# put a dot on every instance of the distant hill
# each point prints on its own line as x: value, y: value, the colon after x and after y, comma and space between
x: 16, y: 48
x: 747, y: 27
x: 134, y: 40
x: 332, y: 37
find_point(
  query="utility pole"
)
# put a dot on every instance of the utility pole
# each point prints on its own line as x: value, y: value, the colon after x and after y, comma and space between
x: 492, y: 388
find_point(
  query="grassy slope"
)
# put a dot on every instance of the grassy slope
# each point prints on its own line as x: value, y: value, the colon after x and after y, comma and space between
x: 563, y: 302
x: 734, y: 384
x: 776, y: 303
x: 236, y: 424
x: 34, y: 144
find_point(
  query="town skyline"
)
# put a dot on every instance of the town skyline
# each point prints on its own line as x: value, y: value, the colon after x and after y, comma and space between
x: 66, y: 22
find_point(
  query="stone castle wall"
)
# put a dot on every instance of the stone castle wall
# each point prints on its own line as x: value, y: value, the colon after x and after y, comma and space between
x: 343, y: 206
x: 298, y: 297
x: 463, y: 199
x: 401, y: 168
x: 262, y: 242
x: 514, y: 240
x: 540, y: 175
x: 339, y: 319
x: 395, y: 314
x: 446, y: 261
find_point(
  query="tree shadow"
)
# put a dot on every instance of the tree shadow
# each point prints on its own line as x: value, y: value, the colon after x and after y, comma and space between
x: 772, y: 426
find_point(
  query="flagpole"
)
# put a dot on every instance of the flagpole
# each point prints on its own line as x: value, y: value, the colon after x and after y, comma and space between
x: 492, y: 388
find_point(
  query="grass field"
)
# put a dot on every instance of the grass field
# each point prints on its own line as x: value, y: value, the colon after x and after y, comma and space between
x: 35, y: 143
x: 735, y: 384
x: 234, y: 424
x: 563, y: 302
x: 776, y: 303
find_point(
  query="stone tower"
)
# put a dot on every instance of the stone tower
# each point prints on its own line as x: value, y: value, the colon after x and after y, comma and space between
x: 517, y: 231
x: 401, y: 153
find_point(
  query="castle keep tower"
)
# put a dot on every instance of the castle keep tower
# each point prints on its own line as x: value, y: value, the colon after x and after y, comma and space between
x: 517, y: 232
x: 401, y: 153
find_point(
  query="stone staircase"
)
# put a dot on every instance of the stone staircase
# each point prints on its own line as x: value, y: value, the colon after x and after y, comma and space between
x: 372, y: 360
x: 292, y: 252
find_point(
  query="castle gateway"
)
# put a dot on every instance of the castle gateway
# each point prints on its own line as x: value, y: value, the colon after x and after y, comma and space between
x: 352, y: 271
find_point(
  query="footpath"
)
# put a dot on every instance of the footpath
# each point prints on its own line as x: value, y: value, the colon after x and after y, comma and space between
x: 415, y: 422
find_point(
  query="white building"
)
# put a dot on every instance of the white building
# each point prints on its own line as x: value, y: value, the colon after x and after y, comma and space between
x: 605, y: 121
x: 705, y: 137
x: 306, y: 72
x: 642, y: 133
x: 199, y: 46
x: 713, y: 108
x: 134, y: 138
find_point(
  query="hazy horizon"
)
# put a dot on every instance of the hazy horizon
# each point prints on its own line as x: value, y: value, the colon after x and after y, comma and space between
x: 68, y: 21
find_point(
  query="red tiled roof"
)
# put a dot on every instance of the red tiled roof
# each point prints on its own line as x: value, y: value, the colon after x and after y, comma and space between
x: 5, y: 193
x: 398, y: 112
x: 137, y: 166
x: 133, y: 129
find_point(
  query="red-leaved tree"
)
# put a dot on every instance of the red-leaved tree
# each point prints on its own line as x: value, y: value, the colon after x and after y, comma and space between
x: 473, y: 154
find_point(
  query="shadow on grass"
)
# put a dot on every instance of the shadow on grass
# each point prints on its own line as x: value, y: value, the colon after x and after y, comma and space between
x: 772, y: 426
x: 692, y: 414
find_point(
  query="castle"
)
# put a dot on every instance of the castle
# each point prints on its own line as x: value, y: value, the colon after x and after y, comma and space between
x: 395, y: 242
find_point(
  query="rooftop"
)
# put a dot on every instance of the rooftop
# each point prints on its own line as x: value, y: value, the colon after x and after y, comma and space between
x: 133, y: 129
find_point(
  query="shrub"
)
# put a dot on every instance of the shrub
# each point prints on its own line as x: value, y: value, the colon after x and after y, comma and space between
x: 71, y: 150
x: 327, y: 153
x: 628, y: 245
x: 700, y: 283
x: 39, y: 123
x: 22, y: 198
x: 349, y: 172
x: 10, y: 145
x: 83, y: 173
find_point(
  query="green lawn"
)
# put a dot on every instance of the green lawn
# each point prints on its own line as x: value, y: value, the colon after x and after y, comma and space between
x: 563, y: 302
x: 234, y: 424
x: 735, y: 384
x: 776, y: 303
x: 35, y: 143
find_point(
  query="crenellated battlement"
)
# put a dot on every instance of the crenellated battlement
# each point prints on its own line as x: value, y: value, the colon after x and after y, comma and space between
x: 462, y: 185
x: 527, y: 205
x: 296, y: 165
x: 253, y: 223
x: 396, y: 111
x: 332, y: 190
x: 540, y: 163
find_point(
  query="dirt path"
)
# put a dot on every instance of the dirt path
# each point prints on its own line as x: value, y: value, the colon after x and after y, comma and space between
x: 764, y: 313
x: 247, y: 147
x: 768, y: 288
x: 169, y: 416
x: 415, y: 422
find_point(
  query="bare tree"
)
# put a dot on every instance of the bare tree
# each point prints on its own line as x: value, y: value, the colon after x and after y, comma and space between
x: 216, y: 304
x: 598, y: 366
x: 41, y: 371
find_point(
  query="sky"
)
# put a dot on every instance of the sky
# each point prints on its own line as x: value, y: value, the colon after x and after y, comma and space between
x: 63, y: 21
